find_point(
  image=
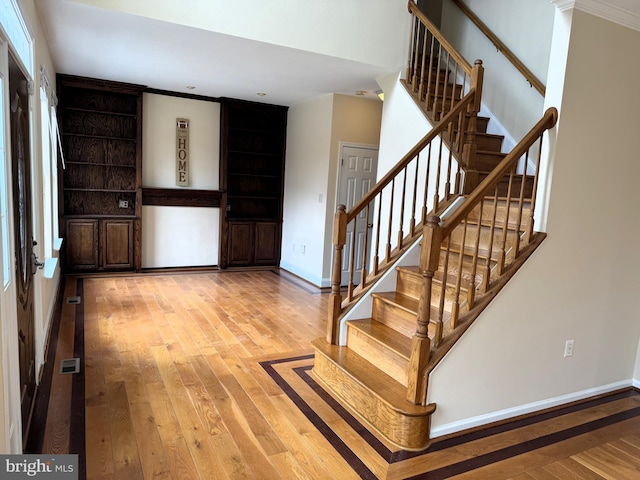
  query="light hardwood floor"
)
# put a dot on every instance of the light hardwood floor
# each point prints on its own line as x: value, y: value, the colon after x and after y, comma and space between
x: 207, y: 376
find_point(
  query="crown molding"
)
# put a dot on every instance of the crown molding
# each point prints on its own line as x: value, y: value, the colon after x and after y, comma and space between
x: 622, y: 12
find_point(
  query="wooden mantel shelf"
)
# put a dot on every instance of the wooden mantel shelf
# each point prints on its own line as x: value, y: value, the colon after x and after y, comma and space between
x: 181, y: 197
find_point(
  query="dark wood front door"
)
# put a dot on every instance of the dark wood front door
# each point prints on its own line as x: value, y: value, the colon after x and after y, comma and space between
x: 21, y: 182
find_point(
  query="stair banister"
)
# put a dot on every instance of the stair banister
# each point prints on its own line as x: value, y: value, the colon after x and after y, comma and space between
x: 398, y: 167
x: 469, y: 148
x: 342, y: 218
x: 413, y: 9
x: 435, y: 232
x: 485, y: 188
x: 436, y: 72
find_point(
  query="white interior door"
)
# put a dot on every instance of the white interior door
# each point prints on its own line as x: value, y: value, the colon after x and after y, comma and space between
x: 358, y: 170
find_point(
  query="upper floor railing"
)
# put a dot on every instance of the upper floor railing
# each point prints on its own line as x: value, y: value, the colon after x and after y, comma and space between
x: 436, y: 72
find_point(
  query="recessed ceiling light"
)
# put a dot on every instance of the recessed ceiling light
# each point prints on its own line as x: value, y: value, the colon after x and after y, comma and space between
x: 361, y: 92
x: 261, y: 94
x: 191, y: 87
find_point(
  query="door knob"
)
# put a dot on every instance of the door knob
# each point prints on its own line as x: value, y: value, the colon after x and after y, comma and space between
x: 36, y: 263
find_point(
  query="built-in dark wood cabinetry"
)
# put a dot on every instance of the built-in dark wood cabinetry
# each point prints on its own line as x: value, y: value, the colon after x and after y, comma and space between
x: 252, y: 180
x: 101, y: 133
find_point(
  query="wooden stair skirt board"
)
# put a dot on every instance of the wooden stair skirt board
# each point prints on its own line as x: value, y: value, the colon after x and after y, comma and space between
x: 373, y: 395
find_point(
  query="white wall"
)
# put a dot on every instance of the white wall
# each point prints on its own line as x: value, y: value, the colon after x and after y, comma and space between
x: 305, y: 178
x: 526, y: 28
x: 581, y: 282
x: 403, y: 124
x: 354, y: 121
x: 335, y: 28
x: 180, y: 236
x: 314, y: 132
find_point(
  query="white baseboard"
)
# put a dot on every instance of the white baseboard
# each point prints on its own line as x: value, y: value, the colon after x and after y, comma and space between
x: 505, y: 414
x: 314, y: 279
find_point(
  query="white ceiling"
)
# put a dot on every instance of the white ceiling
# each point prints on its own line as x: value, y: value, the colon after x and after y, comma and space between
x: 107, y: 44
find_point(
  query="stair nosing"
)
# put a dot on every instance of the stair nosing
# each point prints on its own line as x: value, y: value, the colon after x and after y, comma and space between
x: 385, y: 297
x: 399, y: 339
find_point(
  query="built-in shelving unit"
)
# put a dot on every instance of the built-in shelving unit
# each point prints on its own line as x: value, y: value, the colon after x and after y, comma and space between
x: 101, y: 129
x: 252, y: 179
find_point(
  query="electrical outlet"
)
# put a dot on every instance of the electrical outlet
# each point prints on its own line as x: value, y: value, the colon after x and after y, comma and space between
x: 123, y: 203
x: 568, y: 348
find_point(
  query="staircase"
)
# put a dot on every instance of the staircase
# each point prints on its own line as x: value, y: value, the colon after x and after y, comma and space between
x: 469, y: 208
x: 371, y: 369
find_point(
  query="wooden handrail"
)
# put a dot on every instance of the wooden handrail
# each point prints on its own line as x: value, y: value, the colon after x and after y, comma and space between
x: 423, y: 160
x: 501, y: 47
x: 413, y: 8
x: 547, y: 121
x: 436, y: 249
x: 395, y: 171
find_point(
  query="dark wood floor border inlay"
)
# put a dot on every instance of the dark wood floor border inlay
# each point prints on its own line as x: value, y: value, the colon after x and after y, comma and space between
x: 77, y: 435
x: 456, y: 468
x: 41, y: 407
x: 380, y: 448
x: 354, y: 462
x: 527, y: 446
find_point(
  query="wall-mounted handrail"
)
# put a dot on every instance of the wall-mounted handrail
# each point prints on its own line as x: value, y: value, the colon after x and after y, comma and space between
x: 501, y: 47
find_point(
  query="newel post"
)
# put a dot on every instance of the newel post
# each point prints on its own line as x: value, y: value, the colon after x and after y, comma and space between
x: 421, y: 344
x: 471, y: 178
x: 335, y: 299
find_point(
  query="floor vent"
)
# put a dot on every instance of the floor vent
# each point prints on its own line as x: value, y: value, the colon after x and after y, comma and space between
x: 73, y: 300
x: 70, y: 365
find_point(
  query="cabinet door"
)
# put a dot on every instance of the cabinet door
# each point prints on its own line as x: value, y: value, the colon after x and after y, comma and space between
x: 82, y: 244
x: 267, y: 243
x: 117, y: 243
x: 240, y: 243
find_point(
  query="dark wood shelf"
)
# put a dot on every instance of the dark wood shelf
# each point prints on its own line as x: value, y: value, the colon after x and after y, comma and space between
x: 101, y: 112
x: 105, y: 190
x: 102, y: 137
x: 254, y: 197
x: 94, y: 164
x: 257, y: 154
x: 257, y: 130
x: 263, y: 175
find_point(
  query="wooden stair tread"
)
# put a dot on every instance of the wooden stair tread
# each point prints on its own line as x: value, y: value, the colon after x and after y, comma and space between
x: 390, y: 338
x: 373, y: 379
x: 399, y: 300
x: 437, y: 278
